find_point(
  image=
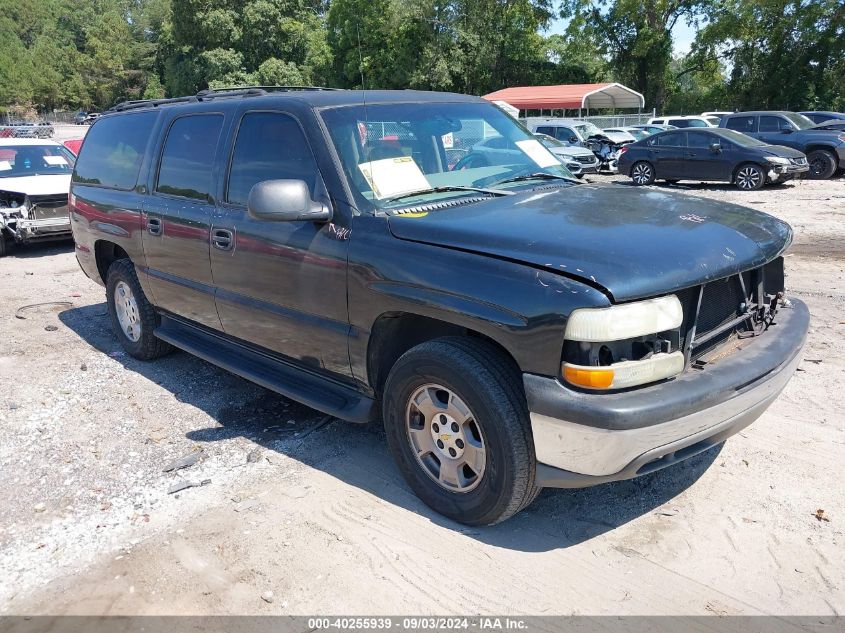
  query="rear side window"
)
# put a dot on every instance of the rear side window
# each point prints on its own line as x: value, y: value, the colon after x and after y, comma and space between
x: 114, y: 149
x: 269, y: 146
x: 672, y: 139
x: 545, y: 129
x: 188, y: 157
x: 658, y: 122
x: 744, y: 124
x: 679, y: 122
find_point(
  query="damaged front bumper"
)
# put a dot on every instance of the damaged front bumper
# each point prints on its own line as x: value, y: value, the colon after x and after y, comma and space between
x: 24, y: 230
x: 584, y: 439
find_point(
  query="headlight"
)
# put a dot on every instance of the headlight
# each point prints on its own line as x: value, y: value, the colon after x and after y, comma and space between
x: 642, y: 335
x: 624, y: 321
x: 777, y: 160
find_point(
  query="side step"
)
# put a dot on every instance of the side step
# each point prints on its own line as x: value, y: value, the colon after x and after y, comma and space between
x: 325, y: 395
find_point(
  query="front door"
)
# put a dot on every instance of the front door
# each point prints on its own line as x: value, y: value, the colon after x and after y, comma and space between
x: 703, y: 162
x: 178, y: 218
x: 280, y: 285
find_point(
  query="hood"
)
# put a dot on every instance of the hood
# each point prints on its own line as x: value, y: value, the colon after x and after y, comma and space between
x: 570, y: 150
x: 631, y: 242
x: 37, y: 185
x: 616, y: 137
x: 782, y: 151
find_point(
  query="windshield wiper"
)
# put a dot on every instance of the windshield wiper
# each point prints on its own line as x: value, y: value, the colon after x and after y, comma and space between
x: 447, y: 188
x: 533, y: 176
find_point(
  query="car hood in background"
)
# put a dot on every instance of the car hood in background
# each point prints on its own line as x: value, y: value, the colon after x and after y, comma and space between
x: 633, y: 243
x: 571, y: 150
x: 37, y: 185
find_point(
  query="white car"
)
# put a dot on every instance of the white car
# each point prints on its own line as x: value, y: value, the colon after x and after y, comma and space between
x: 579, y: 160
x: 34, y: 183
x: 715, y: 117
x: 679, y: 121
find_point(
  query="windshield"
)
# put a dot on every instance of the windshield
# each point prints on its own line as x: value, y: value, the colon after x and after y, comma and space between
x: 743, y: 140
x: 799, y: 120
x: 587, y: 129
x: 34, y: 160
x: 549, y: 141
x: 405, y: 154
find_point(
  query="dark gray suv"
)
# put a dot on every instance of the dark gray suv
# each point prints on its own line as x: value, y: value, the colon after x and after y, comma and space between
x: 825, y: 149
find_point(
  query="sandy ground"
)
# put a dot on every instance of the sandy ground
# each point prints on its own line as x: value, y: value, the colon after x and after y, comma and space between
x: 313, y: 510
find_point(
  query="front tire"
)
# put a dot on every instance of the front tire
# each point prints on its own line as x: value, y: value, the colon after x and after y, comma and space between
x: 457, y: 425
x: 749, y: 177
x: 822, y: 164
x: 133, y: 318
x: 642, y: 173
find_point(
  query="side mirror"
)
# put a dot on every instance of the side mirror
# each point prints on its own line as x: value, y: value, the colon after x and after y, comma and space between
x: 715, y: 147
x: 285, y: 201
x: 573, y: 139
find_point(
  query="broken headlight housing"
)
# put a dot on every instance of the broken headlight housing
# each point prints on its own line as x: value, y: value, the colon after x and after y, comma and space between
x: 625, y: 345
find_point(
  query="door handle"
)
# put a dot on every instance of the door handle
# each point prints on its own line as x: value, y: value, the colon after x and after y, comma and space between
x: 223, y: 239
x: 154, y: 226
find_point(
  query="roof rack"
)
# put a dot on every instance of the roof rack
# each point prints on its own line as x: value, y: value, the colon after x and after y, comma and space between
x: 212, y: 93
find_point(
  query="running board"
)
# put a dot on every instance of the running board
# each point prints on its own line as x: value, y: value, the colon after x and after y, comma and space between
x: 324, y: 395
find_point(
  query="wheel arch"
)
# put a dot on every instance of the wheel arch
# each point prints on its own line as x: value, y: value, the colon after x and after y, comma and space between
x: 105, y: 254
x: 394, y: 333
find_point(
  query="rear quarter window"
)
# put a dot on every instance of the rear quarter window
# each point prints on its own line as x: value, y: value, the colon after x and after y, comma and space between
x: 744, y: 124
x: 114, y: 150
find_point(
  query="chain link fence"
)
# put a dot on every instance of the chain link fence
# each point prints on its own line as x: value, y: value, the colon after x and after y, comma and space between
x: 618, y: 120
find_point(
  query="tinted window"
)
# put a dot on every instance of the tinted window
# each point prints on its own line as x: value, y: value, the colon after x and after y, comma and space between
x: 679, y: 122
x: 565, y: 134
x: 658, y: 121
x: 671, y: 139
x: 269, y: 146
x: 773, y: 124
x: 114, y: 149
x: 699, y: 140
x: 545, y: 129
x: 188, y: 156
x: 744, y: 124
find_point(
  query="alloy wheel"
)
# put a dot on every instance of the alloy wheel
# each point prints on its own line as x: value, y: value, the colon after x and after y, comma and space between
x: 641, y: 174
x: 445, y: 438
x: 748, y: 178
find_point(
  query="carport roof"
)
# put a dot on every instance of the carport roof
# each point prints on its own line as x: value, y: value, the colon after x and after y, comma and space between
x: 569, y: 96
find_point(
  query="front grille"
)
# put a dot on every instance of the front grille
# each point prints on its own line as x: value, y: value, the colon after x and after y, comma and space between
x: 586, y: 160
x: 724, y: 303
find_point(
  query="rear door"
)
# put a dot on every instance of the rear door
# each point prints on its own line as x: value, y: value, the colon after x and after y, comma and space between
x: 745, y: 123
x: 178, y: 215
x: 280, y: 285
x: 669, y: 154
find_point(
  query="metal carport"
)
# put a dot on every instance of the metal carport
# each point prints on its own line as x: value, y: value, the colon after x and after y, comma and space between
x: 570, y: 97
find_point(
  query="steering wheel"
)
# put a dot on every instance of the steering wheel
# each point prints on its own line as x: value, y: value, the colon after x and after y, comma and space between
x: 471, y: 161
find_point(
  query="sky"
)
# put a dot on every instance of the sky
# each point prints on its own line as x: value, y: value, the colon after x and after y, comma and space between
x: 682, y: 34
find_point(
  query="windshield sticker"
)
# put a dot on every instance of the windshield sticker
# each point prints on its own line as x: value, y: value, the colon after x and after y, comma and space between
x: 448, y: 140
x: 55, y: 160
x: 538, y: 153
x: 393, y: 176
x: 5, y: 165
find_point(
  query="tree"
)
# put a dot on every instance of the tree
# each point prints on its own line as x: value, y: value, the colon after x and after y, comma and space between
x: 637, y: 37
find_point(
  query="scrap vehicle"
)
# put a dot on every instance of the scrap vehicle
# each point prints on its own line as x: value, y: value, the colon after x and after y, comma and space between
x: 605, y: 145
x: 34, y: 183
x: 710, y: 154
x: 825, y: 149
x: 578, y: 160
x: 637, y: 134
x: 512, y: 327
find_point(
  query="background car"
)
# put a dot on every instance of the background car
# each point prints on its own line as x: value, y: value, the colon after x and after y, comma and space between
x: 578, y: 160
x: 90, y: 118
x: 637, y: 133
x: 653, y: 128
x: 825, y: 149
x: 79, y: 117
x: 714, y: 117
x: 680, y: 121
x: 820, y: 116
x: 710, y: 154
x: 833, y: 124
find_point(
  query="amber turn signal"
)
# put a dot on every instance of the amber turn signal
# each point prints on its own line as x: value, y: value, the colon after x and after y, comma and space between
x: 589, y: 378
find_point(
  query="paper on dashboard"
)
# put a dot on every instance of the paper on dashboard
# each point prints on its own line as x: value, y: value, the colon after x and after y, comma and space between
x: 393, y: 176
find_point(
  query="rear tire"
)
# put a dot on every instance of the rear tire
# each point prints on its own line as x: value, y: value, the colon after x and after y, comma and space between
x: 133, y: 318
x: 749, y: 177
x: 642, y: 173
x: 458, y: 427
x: 822, y: 164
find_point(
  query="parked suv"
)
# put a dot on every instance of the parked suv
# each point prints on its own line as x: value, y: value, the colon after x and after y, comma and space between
x: 825, y: 149
x: 513, y: 328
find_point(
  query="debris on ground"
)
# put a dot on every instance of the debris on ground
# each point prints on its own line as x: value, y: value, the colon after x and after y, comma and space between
x: 667, y: 513
x: 19, y: 314
x: 50, y: 328
x: 183, y: 462
x: 821, y: 516
x: 184, y: 484
x: 253, y: 456
x: 268, y: 596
